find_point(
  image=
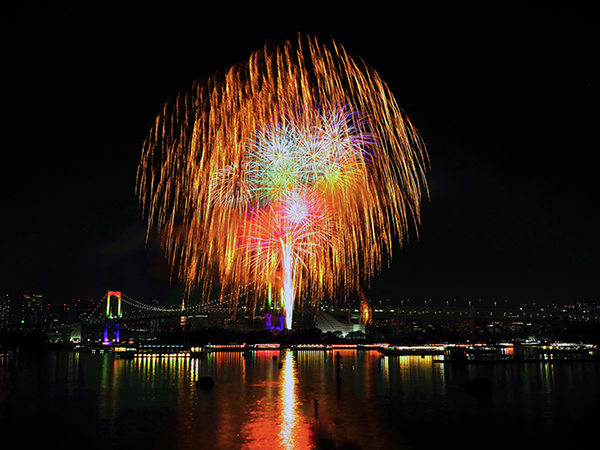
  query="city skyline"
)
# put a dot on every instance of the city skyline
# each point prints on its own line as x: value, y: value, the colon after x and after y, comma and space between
x: 503, y: 104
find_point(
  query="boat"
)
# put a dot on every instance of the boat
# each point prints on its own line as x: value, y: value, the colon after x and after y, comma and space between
x: 481, y: 350
x: 418, y: 350
x: 562, y: 348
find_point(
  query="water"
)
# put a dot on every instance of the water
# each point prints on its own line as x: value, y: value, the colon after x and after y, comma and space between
x: 96, y: 401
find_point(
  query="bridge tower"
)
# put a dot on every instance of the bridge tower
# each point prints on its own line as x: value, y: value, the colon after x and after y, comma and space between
x: 112, y: 312
x: 183, y: 320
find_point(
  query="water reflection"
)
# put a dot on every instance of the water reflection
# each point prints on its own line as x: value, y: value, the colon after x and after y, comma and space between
x: 380, y: 402
x: 413, y: 374
x: 274, y: 421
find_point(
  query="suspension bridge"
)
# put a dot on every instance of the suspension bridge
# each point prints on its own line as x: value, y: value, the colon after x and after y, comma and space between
x: 118, y: 309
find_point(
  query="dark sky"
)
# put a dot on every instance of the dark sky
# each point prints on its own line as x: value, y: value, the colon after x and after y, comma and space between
x: 502, y: 96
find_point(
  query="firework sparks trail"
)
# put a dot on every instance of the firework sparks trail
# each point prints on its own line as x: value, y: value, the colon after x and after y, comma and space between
x: 296, y: 169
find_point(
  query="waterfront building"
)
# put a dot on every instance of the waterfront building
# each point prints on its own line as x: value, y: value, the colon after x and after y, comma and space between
x: 327, y: 322
x: 32, y: 309
x: 4, y: 311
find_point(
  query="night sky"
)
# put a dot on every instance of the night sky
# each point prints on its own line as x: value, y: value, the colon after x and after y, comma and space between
x: 502, y: 96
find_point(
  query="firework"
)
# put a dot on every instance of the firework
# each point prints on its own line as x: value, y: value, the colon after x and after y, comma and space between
x: 293, y: 173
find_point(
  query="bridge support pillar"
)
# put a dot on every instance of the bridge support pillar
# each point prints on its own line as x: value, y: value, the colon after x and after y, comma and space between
x: 397, y: 332
x: 109, y: 328
x: 473, y: 331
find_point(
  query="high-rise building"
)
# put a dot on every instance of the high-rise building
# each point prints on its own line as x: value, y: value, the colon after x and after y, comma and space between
x: 83, y: 309
x: 32, y: 309
x: 53, y: 314
x: 4, y: 311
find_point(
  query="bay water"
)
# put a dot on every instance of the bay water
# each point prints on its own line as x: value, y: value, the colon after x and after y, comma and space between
x: 284, y: 399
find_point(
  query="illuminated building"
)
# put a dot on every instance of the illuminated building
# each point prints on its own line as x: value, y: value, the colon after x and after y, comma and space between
x: 326, y: 322
x: 4, y: 310
x: 82, y: 309
x: 54, y: 314
x: 32, y: 308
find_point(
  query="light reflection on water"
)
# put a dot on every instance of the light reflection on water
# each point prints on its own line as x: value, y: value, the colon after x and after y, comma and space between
x: 380, y: 402
x: 274, y: 421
